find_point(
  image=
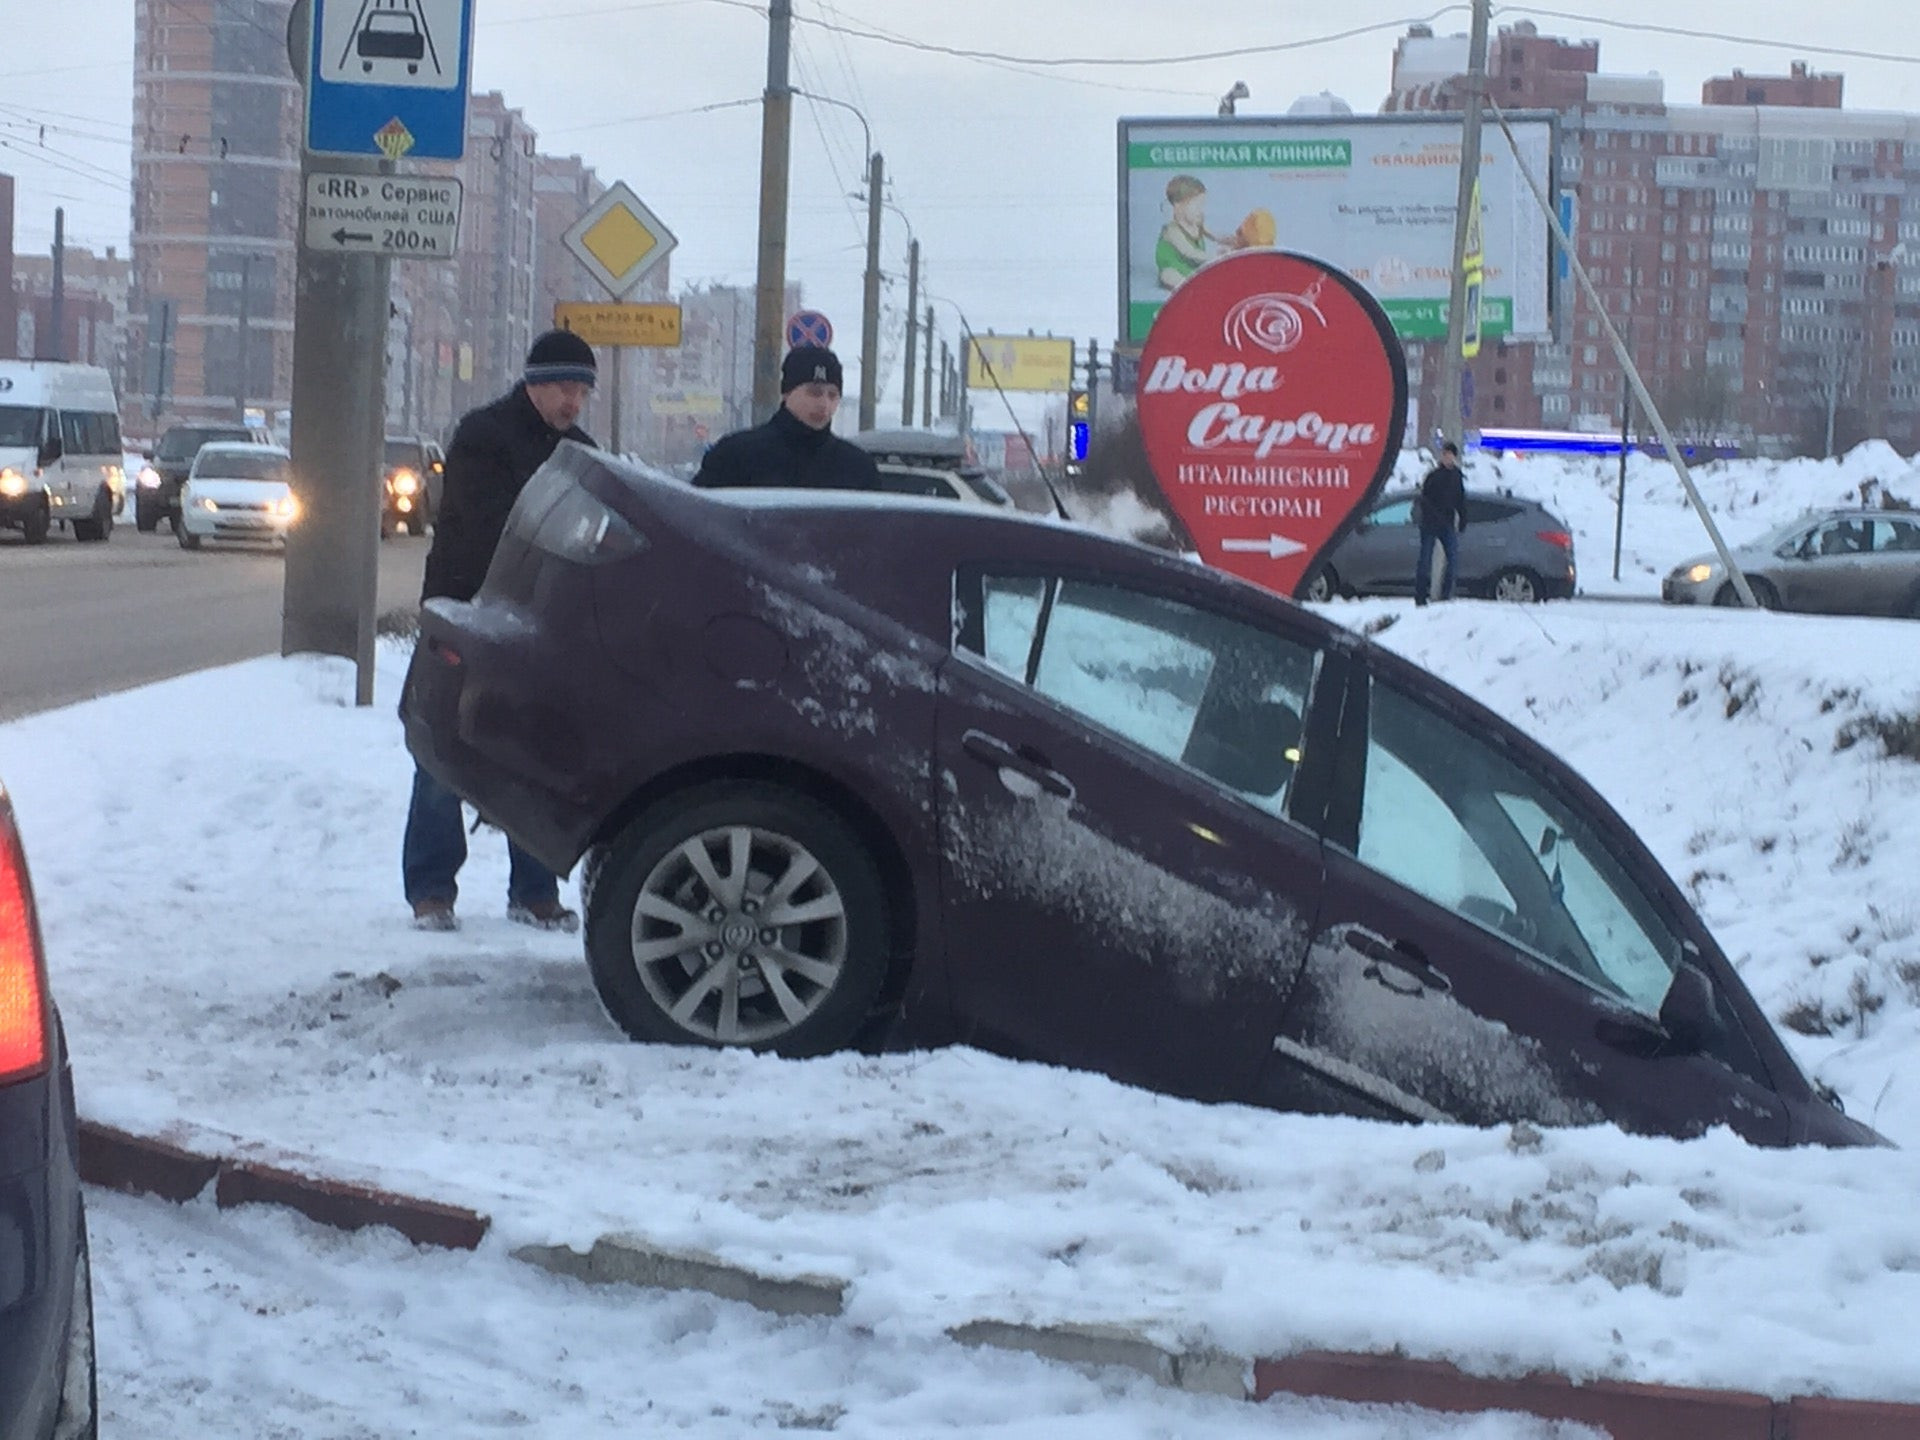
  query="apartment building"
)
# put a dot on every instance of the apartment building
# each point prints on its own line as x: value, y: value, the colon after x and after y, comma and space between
x: 93, y: 307
x: 216, y: 133
x: 1759, y: 251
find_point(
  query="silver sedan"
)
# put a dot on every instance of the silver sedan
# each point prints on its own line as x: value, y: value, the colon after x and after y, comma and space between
x: 1835, y: 562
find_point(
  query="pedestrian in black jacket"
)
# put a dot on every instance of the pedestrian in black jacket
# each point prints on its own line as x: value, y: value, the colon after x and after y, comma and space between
x: 797, y: 448
x: 494, y: 453
x: 1442, y: 508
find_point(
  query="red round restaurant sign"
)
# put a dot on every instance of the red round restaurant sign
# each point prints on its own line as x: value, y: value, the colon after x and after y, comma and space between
x: 1272, y: 395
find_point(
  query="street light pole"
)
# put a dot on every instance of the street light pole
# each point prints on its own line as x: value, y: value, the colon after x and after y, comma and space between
x: 1451, y: 361
x: 870, y: 301
x: 776, y: 143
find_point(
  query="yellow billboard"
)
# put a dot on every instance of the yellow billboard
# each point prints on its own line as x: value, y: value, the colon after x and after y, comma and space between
x: 1020, y: 362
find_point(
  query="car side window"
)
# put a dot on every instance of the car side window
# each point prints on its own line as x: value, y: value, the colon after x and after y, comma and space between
x: 1481, y: 511
x: 1398, y: 512
x: 1898, y: 535
x: 1447, y: 814
x: 1209, y: 692
x: 1841, y: 537
x: 74, y: 432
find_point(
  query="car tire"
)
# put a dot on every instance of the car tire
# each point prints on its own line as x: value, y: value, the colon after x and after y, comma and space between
x: 1515, y: 586
x: 35, y: 524
x: 188, y: 540
x: 99, y: 525
x: 1763, y: 592
x: 78, y: 1415
x: 1325, y: 585
x: 678, y: 944
x: 145, y: 519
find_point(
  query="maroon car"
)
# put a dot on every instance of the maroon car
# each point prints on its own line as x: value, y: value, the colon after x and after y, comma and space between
x: 850, y: 766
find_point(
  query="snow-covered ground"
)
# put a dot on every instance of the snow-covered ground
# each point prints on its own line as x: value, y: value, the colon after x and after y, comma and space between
x: 233, y: 959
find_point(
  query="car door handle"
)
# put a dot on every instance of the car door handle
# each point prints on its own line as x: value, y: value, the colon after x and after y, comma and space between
x: 1398, y: 965
x: 1027, y: 762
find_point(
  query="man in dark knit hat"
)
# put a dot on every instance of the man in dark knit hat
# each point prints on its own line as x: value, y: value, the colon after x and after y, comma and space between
x: 797, y: 448
x: 494, y: 453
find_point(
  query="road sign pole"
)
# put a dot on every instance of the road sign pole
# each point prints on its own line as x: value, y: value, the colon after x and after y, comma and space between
x: 613, y: 440
x: 339, y: 411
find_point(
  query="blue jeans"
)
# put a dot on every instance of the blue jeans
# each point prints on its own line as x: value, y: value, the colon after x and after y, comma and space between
x: 435, y: 847
x: 1449, y: 540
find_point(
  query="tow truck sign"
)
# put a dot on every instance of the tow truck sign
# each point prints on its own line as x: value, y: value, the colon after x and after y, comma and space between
x: 407, y: 217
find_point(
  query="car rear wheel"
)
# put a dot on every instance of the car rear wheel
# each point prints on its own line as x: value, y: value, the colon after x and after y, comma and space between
x: 738, y: 913
x: 1324, y: 585
x: 78, y: 1417
x: 1521, y: 587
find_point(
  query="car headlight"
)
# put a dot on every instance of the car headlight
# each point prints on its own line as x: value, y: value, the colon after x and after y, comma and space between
x: 12, y: 483
x: 1698, y: 574
x: 148, y: 478
x: 287, y: 508
x: 206, y: 502
x: 404, y: 482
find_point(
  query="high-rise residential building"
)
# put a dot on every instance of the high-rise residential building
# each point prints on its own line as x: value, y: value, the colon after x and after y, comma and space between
x: 216, y: 133
x: 1759, y: 252
x: 498, y: 246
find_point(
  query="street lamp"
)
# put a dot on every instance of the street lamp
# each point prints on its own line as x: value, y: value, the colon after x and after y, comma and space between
x: 1238, y: 92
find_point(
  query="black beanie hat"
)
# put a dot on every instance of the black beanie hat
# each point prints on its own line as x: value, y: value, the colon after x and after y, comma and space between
x: 805, y: 364
x: 560, y: 355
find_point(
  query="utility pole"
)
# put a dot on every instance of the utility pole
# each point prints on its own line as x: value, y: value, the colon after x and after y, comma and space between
x: 240, y: 385
x: 1626, y: 431
x: 870, y: 300
x: 57, y: 312
x: 1093, y: 386
x: 926, y: 396
x: 339, y: 419
x: 946, y: 380
x: 913, y: 308
x: 1463, y: 219
x: 776, y: 142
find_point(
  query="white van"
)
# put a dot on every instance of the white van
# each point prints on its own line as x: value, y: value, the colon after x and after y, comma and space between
x: 60, y: 457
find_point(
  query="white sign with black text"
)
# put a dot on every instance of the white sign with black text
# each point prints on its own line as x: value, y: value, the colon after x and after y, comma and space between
x: 408, y: 217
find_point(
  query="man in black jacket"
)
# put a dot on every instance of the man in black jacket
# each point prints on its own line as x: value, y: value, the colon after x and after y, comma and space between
x: 1441, y: 503
x: 494, y: 453
x: 797, y: 448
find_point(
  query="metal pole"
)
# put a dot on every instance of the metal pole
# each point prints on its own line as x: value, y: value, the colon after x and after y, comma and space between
x: 1450, y: 358
x: 1626, y: 432
x: 339, y: 420
x: 240, y: 383
x: 926, y: 389
x: 870, y: 301
x: 57, y: 312
x: 913, y: 320
x: 613, y: 421
x: 776, y: 140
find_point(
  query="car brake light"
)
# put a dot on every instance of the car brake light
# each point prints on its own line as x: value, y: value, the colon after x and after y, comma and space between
x: 1561, y: 538
x: 23, y: 1006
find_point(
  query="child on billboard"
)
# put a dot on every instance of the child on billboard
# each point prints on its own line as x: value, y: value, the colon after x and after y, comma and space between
x: 1182, y: 247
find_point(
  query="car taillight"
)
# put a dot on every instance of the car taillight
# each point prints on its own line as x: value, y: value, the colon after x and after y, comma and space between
x: 23, y: 1002
x: 1560, y: 538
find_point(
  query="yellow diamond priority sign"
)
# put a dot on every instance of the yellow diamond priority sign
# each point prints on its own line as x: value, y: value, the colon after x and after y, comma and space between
x: 619, y: 240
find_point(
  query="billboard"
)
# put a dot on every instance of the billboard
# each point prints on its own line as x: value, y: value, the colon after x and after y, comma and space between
x: 1020, y: 362
x: 1374, y: 196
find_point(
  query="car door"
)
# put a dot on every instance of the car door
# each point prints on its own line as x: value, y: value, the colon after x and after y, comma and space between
x: 1486, y: 545
x: 1379, y: 557
x: 1491, y: 946
x: 1829, y: 573
x: 1890, y: 571
x: 1125, y: 887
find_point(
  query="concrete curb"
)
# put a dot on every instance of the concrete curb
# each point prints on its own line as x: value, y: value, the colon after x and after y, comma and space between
x: 118, y: 1160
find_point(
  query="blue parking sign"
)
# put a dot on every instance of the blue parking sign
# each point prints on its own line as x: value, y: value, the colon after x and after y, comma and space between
x: 389, y: 78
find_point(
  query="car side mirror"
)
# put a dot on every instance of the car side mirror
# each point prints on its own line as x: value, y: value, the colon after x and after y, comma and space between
x: 50, y: 451
x: 1687, y: 1014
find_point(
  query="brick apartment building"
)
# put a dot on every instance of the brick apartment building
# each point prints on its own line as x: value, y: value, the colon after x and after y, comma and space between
x: 93, y: 307
x: 216, y: 130
x: 1760, y: 251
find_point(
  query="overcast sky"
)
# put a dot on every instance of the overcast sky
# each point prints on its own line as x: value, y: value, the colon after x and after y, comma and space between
x: 1005, y: 171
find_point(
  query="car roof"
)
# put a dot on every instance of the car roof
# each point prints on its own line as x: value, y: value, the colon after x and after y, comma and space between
x: 242, y: 447
x: 942, y: 448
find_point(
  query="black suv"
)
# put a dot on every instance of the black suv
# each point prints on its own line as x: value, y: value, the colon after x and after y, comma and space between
x: 157, y: 493
x: 411, y: 470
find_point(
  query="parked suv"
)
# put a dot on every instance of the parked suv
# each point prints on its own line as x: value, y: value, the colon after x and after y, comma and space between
x: 157, y: 493
x: 411, y: 471
x: 930, y: 462
x: 1512, y: 549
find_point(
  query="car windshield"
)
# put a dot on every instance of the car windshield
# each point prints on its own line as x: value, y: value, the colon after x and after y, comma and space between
x: 241, y: 465
x: 404, y: 452
x: 184, y: 442
x: 19, y: 425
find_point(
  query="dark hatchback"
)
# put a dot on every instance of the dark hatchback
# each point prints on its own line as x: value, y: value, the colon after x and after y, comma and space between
x: 843, y: 767
x: 46, y: 1304
x: 156, y: 489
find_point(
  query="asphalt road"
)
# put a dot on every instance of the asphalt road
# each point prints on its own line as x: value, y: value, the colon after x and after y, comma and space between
x: 79, y: 621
